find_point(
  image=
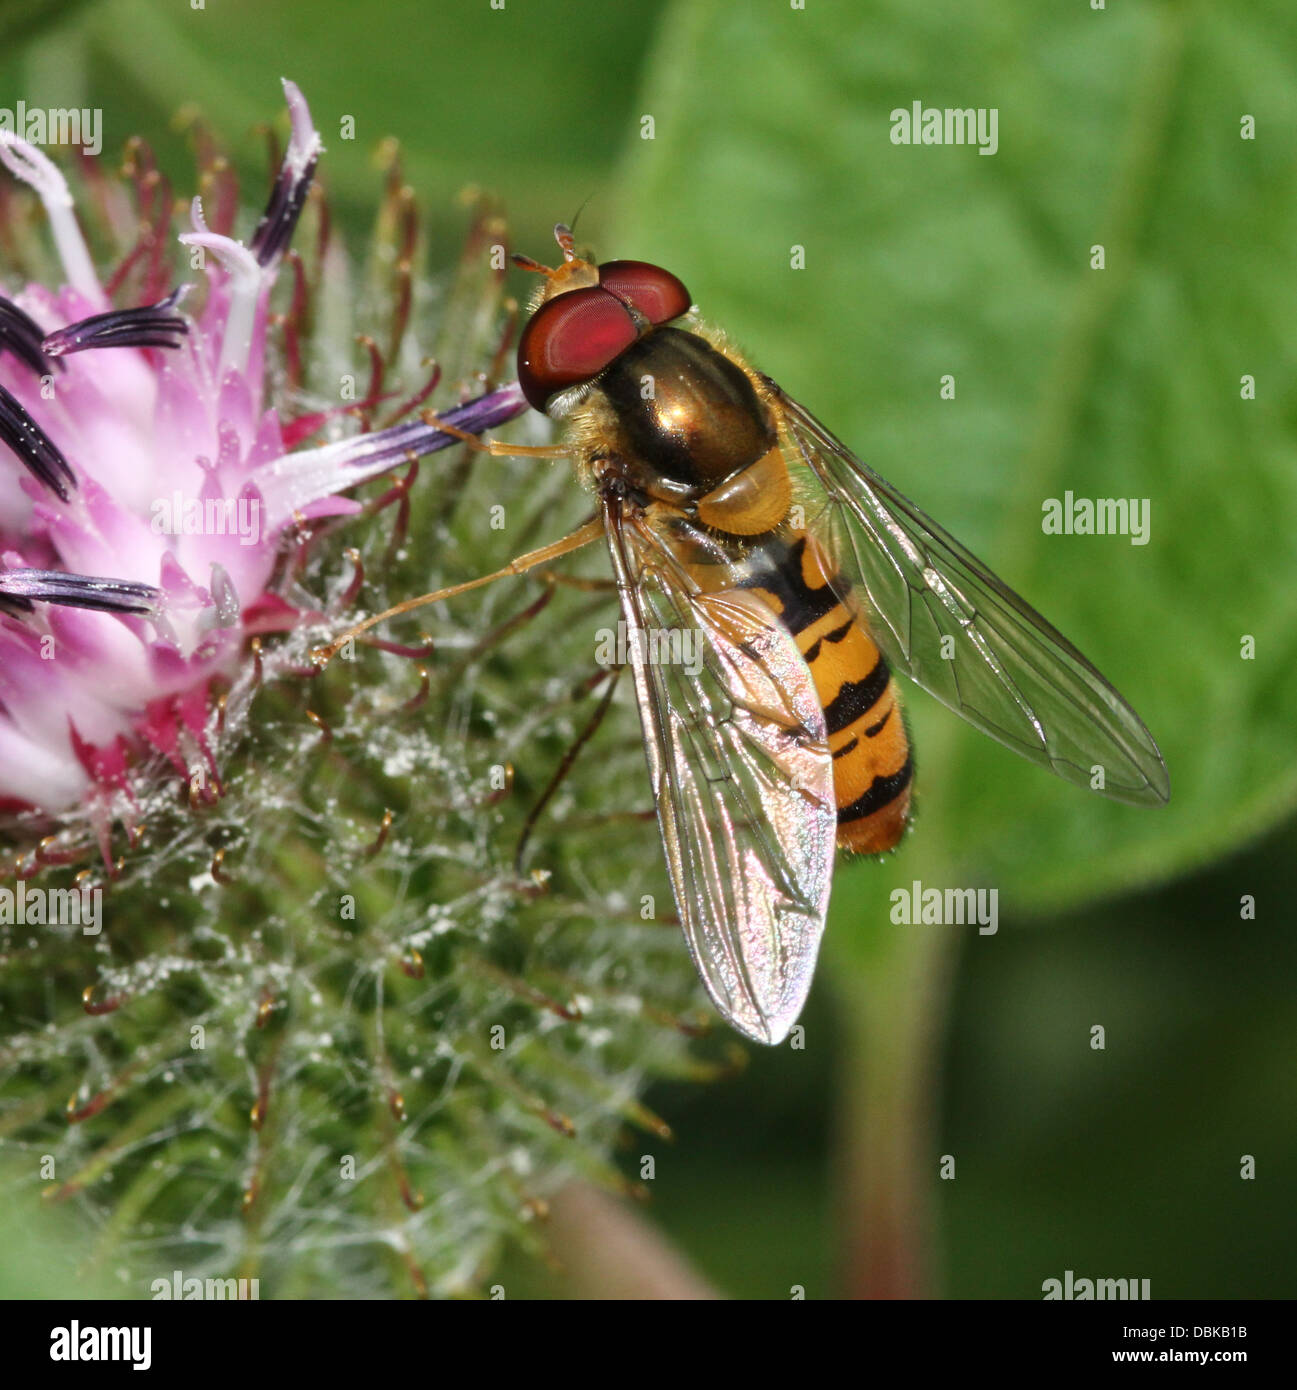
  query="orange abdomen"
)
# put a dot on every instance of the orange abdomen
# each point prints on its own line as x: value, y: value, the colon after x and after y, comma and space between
x: 867, y: 737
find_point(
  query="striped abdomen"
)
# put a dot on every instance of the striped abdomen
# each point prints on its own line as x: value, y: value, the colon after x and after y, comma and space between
x: 871, y: 752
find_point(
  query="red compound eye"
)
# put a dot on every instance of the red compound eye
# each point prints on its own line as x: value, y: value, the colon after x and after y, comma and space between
x: 655, y: 292
x: 570, y: 339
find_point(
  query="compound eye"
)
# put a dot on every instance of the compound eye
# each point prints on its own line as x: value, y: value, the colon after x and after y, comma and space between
x: 655, y: 292
x: 570, y: 339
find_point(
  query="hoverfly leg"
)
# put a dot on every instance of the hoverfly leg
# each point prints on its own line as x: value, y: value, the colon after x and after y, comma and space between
x: 591, y: 530
x: 576, y: 581
x: 497, y: 447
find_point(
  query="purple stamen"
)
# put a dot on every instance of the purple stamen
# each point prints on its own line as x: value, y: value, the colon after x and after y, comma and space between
x: 420, y: 438
x: 287, y: 198
x: 19, y: 587
x: 150, y: 325
x: 22, y: 335
x: 33, y: 446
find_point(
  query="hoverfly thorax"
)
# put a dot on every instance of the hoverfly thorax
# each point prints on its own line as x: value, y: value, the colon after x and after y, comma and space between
x: 685, y: 410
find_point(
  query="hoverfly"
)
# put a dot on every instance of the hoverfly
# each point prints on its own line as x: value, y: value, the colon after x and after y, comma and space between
x: 728, y: 509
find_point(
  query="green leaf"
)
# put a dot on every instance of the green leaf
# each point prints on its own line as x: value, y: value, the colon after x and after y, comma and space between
x: 526, y: 106
x: 1118, y: 128
x: 22, y: 20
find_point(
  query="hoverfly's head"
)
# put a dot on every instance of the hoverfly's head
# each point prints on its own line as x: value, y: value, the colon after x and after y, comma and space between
x: 587, y: 316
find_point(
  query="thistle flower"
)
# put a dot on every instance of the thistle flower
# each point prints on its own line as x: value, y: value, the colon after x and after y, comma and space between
x: 120, y: 447
x: 311, y: 924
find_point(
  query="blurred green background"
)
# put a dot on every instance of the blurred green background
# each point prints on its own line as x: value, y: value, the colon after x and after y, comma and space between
x: 1119, y: 127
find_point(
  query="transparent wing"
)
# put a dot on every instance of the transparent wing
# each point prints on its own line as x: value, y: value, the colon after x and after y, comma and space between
x: 941, y: 617
x: 742, y: 779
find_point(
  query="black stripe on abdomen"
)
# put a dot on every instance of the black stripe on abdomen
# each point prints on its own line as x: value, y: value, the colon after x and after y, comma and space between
x: 837, y: 635
x: 875, y: 729
x: 799, y: 604
x: 856, y: 698
x: 882, y: 790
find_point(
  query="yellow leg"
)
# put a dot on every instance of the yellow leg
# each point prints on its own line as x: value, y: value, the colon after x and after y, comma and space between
x: 496, y: 446
x: 576, y: 581
x: 591, y: 531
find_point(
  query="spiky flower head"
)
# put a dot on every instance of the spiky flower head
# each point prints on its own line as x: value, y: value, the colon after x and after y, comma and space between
x: 318, y: 1024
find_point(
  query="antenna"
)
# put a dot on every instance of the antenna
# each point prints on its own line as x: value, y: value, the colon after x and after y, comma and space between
x: 563, y: 235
